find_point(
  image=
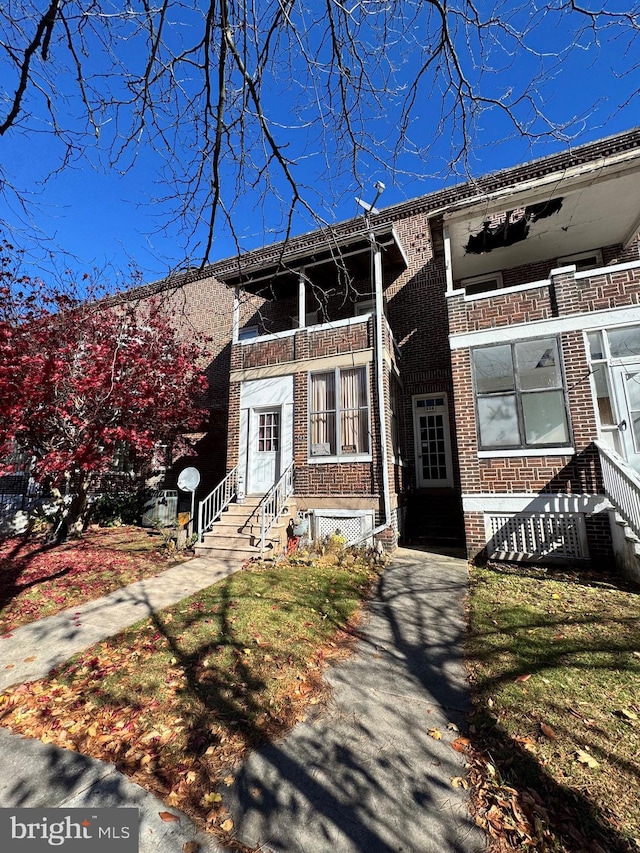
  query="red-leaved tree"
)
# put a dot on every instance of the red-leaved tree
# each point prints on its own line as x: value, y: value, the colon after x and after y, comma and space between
x: 80, y: 379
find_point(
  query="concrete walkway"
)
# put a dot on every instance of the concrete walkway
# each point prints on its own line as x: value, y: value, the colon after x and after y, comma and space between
x: 45, y: 776
x: 365, y: 776
x: 33, y: 650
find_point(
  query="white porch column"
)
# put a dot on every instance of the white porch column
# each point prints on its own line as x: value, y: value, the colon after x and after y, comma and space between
x: 379, y: 358
x: 236, y: 316
x: 302, y: 300
x: 447, y: 257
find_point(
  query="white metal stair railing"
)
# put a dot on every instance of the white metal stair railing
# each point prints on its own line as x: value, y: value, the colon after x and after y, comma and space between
x: 212, y: 507
x: 622, y: 485
x: 274, y: 502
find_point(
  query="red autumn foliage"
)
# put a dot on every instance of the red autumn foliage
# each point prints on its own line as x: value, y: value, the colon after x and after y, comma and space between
x: 80, y: 378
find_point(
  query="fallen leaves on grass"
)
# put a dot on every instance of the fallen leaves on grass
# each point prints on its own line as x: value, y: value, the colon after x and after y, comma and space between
x: 460, y: 744
x: 175, y: 703
x: 584, y: 758
x: 548, y: 731
x: 38, y: 580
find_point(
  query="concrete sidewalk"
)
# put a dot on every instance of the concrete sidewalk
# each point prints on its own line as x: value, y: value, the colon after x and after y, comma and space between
x: 46, y: 776
x: 365, y: 777
x: 33, y: 650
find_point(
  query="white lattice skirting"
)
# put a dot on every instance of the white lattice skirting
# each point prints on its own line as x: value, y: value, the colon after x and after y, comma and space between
x: 352, y: 524
x: 536, y: 536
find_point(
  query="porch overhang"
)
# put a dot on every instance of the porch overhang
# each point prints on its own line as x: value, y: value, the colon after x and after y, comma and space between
x: 551, y: 217
x: 350, y: 257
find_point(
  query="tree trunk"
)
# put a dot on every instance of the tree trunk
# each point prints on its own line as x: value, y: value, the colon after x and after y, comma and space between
x: 72, y: 518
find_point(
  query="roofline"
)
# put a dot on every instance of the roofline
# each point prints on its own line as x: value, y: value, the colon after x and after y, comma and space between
x: 437, y: 202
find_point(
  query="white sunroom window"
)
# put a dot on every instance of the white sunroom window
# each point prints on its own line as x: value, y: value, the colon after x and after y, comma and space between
x: 339, y: 413
x: 520, y: 395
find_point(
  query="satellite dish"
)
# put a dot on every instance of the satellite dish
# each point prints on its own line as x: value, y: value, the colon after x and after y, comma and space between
x: 189, y: 479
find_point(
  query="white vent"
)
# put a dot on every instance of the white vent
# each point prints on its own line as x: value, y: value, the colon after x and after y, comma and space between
x: 535, y: 536
x: 352, y: 525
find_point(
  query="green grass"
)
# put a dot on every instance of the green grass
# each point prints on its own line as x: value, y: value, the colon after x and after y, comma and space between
x: 176, y: 700
x: 560, y: 653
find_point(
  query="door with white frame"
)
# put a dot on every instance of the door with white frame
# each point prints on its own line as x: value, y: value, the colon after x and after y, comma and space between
x: 626, y: 383
x: 432, y: 441
x: 263, y: 463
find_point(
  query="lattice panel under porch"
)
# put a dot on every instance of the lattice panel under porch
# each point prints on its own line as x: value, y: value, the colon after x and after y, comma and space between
x: 535, y: 536
x: 349, y: 527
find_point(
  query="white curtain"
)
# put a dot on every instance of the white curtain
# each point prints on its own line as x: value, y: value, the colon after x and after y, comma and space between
x: 323, y: 414
x: 353, y: 404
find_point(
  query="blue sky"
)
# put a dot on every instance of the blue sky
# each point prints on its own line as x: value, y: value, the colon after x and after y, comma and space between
x: 103, y: 218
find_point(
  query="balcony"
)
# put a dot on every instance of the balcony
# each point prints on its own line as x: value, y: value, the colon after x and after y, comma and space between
x: 564, y: 293
x: 349, y: 335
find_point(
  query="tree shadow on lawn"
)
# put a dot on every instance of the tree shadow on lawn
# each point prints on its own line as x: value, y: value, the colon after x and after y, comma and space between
x: 14, y: 564
x: 574, y: 818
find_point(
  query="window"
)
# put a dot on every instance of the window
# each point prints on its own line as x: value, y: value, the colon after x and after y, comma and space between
x: 339, y: 413
x: 582, y: 260
x: 367, y: 306
x: 248, y: 333
x: 268, y: 432
x: 520, y: 396
x: 482, y: 283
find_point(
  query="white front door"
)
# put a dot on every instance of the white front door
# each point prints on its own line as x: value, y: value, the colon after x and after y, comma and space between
x: 432, y: 441
x: 626, y: 382
x: 264, y: 449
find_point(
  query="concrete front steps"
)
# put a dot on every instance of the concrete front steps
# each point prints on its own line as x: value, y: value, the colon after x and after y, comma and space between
x: 236, y: 534
x: 626, y: 547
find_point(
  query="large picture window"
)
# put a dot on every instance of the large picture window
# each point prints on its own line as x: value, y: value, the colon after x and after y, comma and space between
x: 520, y: 396
x: 339, y: 413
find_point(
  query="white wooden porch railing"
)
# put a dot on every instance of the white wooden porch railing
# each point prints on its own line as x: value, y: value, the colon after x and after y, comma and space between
x: 273, y: 503
x: 212, y: 507
x: 622, y: 485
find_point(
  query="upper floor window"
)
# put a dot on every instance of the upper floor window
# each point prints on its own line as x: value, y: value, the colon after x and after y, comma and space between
x: 248, y: 333
x: 339, y: 413
x: 583, y: 260
x: 520, y: 396
x: 482, y: 283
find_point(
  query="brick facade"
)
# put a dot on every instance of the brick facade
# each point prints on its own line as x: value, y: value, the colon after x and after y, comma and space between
x: 430, y: 331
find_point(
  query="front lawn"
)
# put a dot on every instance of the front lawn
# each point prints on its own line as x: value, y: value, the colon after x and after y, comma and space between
x: 556, y: 662
x: 37, y: 579
x: 176, y: 700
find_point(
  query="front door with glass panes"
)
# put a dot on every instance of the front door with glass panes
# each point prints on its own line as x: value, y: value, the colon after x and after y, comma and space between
x: 615, y: 370
x: 264, y: 450
x: 432, y: 442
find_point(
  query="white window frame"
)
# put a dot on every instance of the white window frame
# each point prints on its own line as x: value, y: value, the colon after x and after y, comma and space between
x: 339, y: 456
x: 518, y: 393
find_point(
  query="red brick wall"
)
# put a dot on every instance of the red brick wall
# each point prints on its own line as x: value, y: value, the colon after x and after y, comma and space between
x: 577, y: 473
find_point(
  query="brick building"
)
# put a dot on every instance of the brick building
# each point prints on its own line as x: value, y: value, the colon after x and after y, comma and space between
x: 442, y: 368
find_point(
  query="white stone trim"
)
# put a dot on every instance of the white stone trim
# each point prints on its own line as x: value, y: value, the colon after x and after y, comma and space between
x: 629, y: 265
x: 530, y: 502
x: 357, y: 358
x: 516, y: 288
x: 543, y: 328
x: 542, y: 451
x: 340, y: 460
